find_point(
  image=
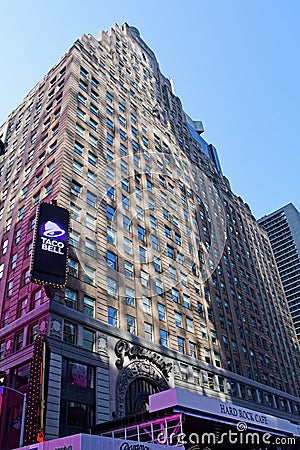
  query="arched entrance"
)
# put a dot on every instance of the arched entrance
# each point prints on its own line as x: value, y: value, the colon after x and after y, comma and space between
x: 137, y: 396
x: 134, y: 385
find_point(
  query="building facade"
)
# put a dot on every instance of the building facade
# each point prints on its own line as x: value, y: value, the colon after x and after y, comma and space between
x: 283, y: 228
x: 171, y: 281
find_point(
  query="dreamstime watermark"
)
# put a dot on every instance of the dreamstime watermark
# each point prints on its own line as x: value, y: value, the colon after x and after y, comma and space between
x: 239, y: 437
x: 139, y: 192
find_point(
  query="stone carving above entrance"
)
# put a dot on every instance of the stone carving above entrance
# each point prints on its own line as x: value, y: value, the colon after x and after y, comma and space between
x: 136, y: 352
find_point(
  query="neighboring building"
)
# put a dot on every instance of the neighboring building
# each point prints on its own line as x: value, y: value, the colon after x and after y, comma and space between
x: 283, y: 228
x: 172, y: 283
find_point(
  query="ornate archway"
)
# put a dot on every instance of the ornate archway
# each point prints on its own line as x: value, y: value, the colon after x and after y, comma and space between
x: 134, y: 385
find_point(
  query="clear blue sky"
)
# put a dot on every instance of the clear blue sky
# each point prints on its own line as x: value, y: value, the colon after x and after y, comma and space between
x: 235, y: 65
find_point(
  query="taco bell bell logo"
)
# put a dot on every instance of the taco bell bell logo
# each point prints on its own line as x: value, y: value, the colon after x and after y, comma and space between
x: 52, y: 229
x: 50, y: 232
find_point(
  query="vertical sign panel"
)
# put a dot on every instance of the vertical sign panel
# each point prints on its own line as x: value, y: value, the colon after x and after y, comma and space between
x: 49, y: 255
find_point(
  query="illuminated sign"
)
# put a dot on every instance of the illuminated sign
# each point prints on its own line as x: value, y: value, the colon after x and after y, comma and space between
x: 49, y: 255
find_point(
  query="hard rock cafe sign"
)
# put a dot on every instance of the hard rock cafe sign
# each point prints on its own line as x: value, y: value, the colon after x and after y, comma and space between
x: 123, y: 349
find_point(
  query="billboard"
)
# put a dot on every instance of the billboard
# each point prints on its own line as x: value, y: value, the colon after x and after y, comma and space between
x: 50, y: 247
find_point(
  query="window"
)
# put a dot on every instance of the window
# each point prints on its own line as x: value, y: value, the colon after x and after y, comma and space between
x: 33, y: 333
x: 91, y: 177
x: 69, y: 333
x: 149, y: 186
x: 88, y: 339
x: 111, y: 260
x: 83, y: 85
x: 110, y: 156
x: 148, y: 329
x: 109, y: 124
x: 135, y: 145
x: 151, y: 204
x: 90, y: 247
x: 22, y: 307
x: 159, y: 287
x: 125, y: 202
x: 153, y: 222
x: 26, y: 277
x: 123, y: 135
x: 77, y: 167
x: 161, y: 311
x: 110, y: 212
x: 94, y: 95
x: 93, y: 109
x: 111, y: 287
x: 123, y: 150
x: 177, y: 239
x: 181, y: 344
x: 88, y: 306
x: 175, y: 295
x: 138, y: 193
x: 189, y: 325
x: 146, y: 304
x: 130, y: 296
x: 186, y: 301
x: 125, y: 184
x: 91, y: 199
x: 2, y: 350
x: 109, y: 139
x: 89, y: 275
x: 95, y: 83
x: 20, y: 214
x: 19, y: 341
x: 131, y: 324
x: 170, y: 252
x: 126, y: 223
x: 180, y: 258
x: 193, y: 349
x: 109, y: 109
x: 112, y: 318
x: 127, y: 246
x: 18, y: 236
x: 109, y: 96
x: 128, y: 269
x: 75, y: 188
x: 75, y: 212
x: 92, y: 159
x: 74, y: 238
x: 144, y: 278
x: 163, y: 338
x: 90, y: 222
x: 124, y: 166
x: 78, y: 148
x: 141, y: 233
x: 140, y: 213
x: 154, y: 241
x: 157, y: 264
x: 143, y: 255
x: 110, y: 235
x: 79, y: 130
x: 203, y: 330
x: 178, y: 319
x: 225, y: 342
x: 14, y: 260
x: 71, y: 298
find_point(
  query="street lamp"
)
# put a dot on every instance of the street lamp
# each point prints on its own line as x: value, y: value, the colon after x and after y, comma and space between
x: 23, y: 412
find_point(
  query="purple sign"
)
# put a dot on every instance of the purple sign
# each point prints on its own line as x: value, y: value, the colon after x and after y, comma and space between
x: 49, y: 256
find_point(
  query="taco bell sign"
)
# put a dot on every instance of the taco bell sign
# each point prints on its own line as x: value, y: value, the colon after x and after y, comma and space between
x: 49, y: 255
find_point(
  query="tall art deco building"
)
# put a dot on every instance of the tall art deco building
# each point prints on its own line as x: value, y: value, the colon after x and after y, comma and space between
x: 171, y: 281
